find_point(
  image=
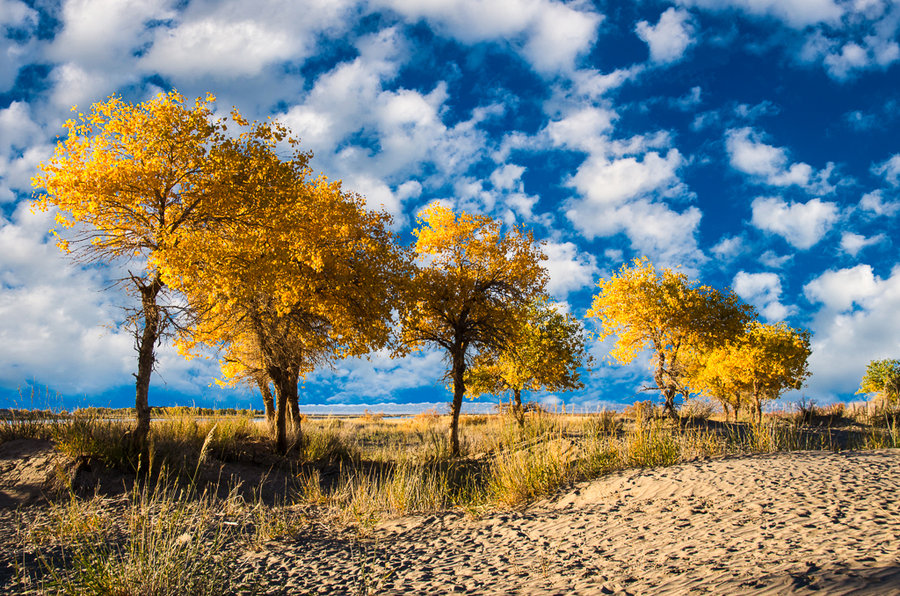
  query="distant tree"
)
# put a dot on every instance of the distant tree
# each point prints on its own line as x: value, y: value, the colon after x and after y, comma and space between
x: 756, y: 366
x: 470, y: 282
x: 665, y: 312
x: 882, y: 378
x: 131, y: 180
x: 304, y: 277
x: 544, y: 353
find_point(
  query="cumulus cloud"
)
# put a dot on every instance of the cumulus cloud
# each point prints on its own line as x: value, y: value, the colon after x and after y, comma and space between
x: 375, y: 138
x: 22, y: 146
x: 670, y: 37
x: 52, y: 315
x: 842, y: 289
x: 853, y: 243
x: 14, y: 15
x: 380, y: 376
x: 748, y: 153
x: 889, y: 169
x: 95, y: 50
x: 60, y: 324
x: 845, y: 58
x: 728, y: 248
x: 570, y: 269
x: 762, y: 290
x: 624, y: 186
x: 801, y: 224
x: 550, y: 35
x: 795, y: 13
x: 856, y: 323
x: 875, y: 204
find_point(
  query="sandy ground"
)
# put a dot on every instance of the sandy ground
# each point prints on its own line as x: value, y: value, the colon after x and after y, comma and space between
x: 803, y: 522
x: 807, y: 522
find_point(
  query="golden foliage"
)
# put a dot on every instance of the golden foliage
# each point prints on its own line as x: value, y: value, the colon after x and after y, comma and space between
x: 757, y: 365
x: 470, y: 280
x: 294, y: 272
x: 545, y: 352
x: 667, y: 313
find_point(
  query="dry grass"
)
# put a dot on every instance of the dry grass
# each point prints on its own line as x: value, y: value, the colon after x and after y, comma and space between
x: 356, y: 471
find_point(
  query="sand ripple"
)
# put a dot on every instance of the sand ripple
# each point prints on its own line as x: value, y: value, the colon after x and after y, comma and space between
x: 803, y: 522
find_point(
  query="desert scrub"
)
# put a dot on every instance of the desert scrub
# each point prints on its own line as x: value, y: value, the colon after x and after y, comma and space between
x: 162, y: 542
x: 524, y: 475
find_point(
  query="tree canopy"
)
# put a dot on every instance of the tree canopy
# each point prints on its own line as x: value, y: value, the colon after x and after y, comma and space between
x: 470, y: 282
x: 668, y: 314
x: 882, y: 377
x: 755, y: 366
x: 303, y: 277
x: 544, y: 353
x: 129, y: 181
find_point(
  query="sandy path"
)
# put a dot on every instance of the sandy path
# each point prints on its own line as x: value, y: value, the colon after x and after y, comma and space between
x: 807, y: 522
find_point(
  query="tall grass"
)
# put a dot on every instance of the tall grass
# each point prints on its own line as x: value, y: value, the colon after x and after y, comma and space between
x: 162, y: 541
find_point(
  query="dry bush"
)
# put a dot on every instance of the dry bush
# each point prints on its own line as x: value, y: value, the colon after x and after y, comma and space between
x: 697, y: 410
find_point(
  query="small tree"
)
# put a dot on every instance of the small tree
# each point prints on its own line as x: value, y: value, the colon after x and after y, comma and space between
x: 757, y: 365
x: 131, y: 179
x: 469, y: 285
x: 882, y: 378
x: 304, y: 277
x: 545, y: 352
x: 670, y: 315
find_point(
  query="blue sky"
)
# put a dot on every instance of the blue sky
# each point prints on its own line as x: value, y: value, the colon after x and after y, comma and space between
x: 753, y: 143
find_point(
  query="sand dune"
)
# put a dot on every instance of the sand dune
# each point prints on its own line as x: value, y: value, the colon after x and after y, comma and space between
x: 803, y: 522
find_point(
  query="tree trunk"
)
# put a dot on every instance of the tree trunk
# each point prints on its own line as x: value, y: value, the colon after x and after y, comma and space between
x: 669, y: 405
x: 268, y: 402
x: 294, y: 405
x: 667, y: 388
x: 146, y: 344
x: 517, y: 408
x: 459, y: 389
x: 285, y: 393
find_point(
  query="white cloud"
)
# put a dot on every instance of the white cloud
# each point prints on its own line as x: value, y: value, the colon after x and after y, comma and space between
x: 570, y: 269
x: 875, y: 204
x: 857, y: 323
x: 840, y: 290
x: 605, y: 181
x: 13, y: 53
x: 97, y: 34
x: 22, y: 147
x: 801, y: 224
x: 773, y: 260
x: 52, y: 315
x: 728, y: 248
x: 762, y: 290
x: 220, y: 48
x: 551, y: 35
x: 853, y: 243
x: 654, y: 229
x: 670, y: 37
x: 95, y: 50
x: 378, y: 139
x: 583, y: 130
x: 795, y: 13
x: 890, y: 169
x: 507, y: 177
x: 359, y: 380
x: 771, y: 165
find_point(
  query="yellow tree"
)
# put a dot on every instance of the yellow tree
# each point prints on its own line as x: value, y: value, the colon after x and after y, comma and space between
x: 882, y: 377
x: 666, y: 313
x: 470, y: 282
x: 544, y: 352
x: 757, y: 365
x: 130, y: 179
x: 304, y: 277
